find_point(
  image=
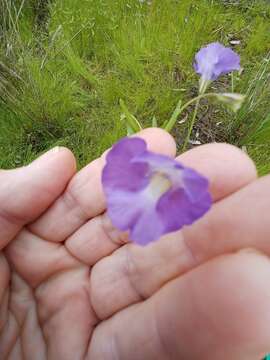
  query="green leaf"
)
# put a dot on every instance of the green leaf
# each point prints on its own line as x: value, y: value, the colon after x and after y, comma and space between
x: 168, y: 125
x: 154, y: 122
x: 131, y: 120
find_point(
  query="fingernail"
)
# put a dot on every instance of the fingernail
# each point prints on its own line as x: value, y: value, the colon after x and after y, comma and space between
x: 56, y: 149
x: 48, y: 155
x: 52, y: 152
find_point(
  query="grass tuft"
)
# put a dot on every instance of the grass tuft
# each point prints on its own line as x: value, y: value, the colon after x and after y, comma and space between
x: 65, y: 64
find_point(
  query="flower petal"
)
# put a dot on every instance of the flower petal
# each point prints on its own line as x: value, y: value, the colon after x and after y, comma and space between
x: 148, y: 228
x: 195, y: 184
x: 126, y: 149
x: 124, y: 208
x: 120, y: 172
x: 133, y: 212
x: 215, y: 60
x: 176, y: 209
x: 157, y: 161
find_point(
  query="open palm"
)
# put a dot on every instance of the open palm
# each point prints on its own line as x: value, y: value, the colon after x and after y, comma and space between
x: 73, y: 287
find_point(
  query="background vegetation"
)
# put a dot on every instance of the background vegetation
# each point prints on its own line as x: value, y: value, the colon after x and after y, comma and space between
x: 64, y: 65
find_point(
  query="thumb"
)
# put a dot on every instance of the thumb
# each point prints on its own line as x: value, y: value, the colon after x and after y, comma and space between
x: 27, y: 192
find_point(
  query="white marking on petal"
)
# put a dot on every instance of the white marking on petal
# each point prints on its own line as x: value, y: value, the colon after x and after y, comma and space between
x: 158, y: 185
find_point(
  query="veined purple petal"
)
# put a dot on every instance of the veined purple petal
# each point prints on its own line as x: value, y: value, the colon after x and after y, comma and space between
x: 126, y: 149
x: 149, y: 227
x: 156, y: 161
x: 124, y: 208
x: 176, y: 208
x: 120, y: 172
x: 150, y: 194
x: 133, y: 212
x: 215, y: 60
x: 194, y: 186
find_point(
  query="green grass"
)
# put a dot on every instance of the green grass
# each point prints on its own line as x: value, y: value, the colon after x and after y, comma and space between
x: 65, y: 65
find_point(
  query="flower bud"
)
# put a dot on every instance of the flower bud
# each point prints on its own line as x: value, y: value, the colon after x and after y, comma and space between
x: 232, y: 100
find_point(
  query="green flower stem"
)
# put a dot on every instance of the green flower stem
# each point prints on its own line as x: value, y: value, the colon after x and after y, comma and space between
x: 232, y: 78
x: 198, y: 98
x: 178, y: 110
x: 191, y: 124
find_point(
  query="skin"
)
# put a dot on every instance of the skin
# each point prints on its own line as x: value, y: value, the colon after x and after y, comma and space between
x: 72, y: 287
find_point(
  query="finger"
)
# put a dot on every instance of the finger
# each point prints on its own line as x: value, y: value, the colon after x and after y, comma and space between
x: 36, y: 260
x: 65, y: 314
x: 221, y: 310
x: 142, y: 271
x: 24, y: 194
x: 239, y: 221
x: 27, y: 192
x: 226, y: 166
x: 22, y: 326
x: 96, y: 239
x: 84, y: 197
x: 4, y: 283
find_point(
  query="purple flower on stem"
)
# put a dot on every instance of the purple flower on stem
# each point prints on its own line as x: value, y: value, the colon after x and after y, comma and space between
x: 149, y: 194
x: 215, y: 60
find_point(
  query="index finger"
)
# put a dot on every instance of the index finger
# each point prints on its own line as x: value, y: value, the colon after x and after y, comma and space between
x: 84, y: 198
x: 25, y: 193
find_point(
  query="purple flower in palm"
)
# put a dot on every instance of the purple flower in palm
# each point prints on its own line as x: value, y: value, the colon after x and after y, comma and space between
x: 149, y: 194
x: 213, y: 61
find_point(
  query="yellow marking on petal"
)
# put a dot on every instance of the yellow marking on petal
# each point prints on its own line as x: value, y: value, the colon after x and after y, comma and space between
x: 158, y: 185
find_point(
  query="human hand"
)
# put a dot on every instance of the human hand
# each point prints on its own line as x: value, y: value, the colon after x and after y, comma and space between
x: 72, y: 287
